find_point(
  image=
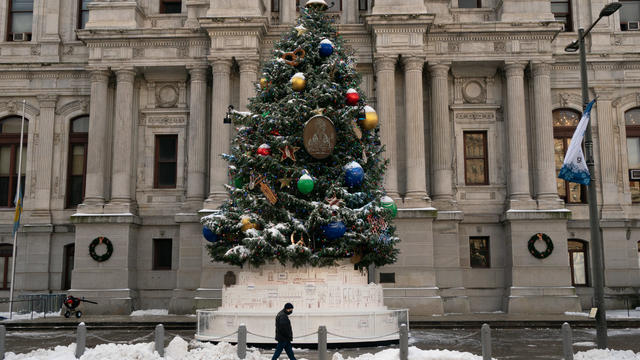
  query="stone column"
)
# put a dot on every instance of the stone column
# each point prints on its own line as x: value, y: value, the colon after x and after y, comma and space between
x: 197, y: 137
x: 43, y: 141
x: 287, y: 11
x: 386, y: 103
x: 416, y: 195
x: 349, y: 12
x: 607, y: 154
x: 441, y: 139
x: 219, y: 133
x: 97, y: 143
x: 123, y: 135
x: 545, y: 169
x: 248, y: 76
x: 519, y: 195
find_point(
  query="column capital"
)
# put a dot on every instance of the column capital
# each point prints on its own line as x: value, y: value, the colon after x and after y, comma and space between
x: 385, y: 62
x: 198, y: 73
x: 514, y: 68
x: 413, y: 63
x: 221, y: 66
x: 99, y: 74
x: 125, y: 75
x: 47, y: 101
x: 604, y: 94
x: 249, y: 65
x: 439, y: 69
x: 541, y: 69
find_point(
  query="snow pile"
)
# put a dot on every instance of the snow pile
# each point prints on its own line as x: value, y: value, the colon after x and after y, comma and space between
x: 26, y: 316
x: 612, y: 314
x: 150, y: 312
x: 414, y: 354
x: 606, y: 354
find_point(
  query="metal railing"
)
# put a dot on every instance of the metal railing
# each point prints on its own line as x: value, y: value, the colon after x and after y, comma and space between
x: 37, y: 303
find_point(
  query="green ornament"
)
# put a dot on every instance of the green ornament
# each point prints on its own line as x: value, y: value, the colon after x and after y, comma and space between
x: 265, y: 114
x: 239, y: 181
x: 305, y: 184
x: 389, y: 204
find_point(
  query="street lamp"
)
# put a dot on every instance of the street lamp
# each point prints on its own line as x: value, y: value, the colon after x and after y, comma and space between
x: 596, y: 240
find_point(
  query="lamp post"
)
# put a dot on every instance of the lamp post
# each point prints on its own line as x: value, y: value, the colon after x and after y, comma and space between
x: 594, y: 221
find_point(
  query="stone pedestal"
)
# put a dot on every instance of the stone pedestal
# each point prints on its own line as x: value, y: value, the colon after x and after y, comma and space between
x: 192, y: 250
x: 113, y: 283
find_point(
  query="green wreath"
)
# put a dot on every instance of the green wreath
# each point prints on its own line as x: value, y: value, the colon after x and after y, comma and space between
x: 547, y: 241
x: 92, y: 249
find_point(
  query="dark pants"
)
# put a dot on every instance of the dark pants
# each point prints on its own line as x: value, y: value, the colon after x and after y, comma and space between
x: 286, y: 345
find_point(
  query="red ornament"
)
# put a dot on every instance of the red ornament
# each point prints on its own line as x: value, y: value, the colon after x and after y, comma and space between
x: 264, y: 150
x: 275, y: 133
x: 352, y: 97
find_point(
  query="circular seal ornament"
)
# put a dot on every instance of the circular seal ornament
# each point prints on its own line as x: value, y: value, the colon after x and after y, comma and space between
x: 92, y: 249
x: 319, y: 136
x: 534, y: 251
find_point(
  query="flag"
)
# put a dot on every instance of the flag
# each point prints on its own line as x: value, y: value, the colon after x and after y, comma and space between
x: 16, y: 218
x: 574, y: 167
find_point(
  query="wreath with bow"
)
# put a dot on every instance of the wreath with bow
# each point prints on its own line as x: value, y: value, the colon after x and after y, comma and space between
x: 92, y: 249
x: 547, y: 241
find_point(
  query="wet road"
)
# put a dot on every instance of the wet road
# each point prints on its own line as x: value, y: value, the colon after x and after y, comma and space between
x: 522, y: 344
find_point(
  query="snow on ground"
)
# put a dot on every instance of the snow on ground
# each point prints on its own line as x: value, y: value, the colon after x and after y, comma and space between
x: 4, y: 316
x: 612, y: 314
x: 606, y: 354
x: 150, y: 312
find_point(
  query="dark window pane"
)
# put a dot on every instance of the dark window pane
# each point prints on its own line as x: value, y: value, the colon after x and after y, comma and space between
x: 77, y: 160
x: 22, y: 5
x: 162, y: 254
x: 21, y: 22
x: 167, y: 175
x: 468, y: 4
x: 85, y: 3
x: 387, y: 277
x: 80, y: 125
x: 632, y: 117
x: 6, y: 250
x: 167, y: 148
x: 479, y: 252
x: 4, y: 191
x: 630, y: 11
x: 275, y: 5
x: 11, y: 125
x: 75, y: 189
x: 170, y: 7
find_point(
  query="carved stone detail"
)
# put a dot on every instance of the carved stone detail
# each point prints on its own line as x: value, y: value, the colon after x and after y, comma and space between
x: 476, y: 115
x: 167, y: 96
x: 474, y: 92
x: 499, y: 47
x: 35, y: 50
x: 163, y: 120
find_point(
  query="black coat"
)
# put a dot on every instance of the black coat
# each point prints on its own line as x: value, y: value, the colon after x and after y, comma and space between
x: 283, y: 327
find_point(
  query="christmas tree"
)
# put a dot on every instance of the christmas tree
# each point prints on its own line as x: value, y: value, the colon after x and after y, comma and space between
x: 306, y: 164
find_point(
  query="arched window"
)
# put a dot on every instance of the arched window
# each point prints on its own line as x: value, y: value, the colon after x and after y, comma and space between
x: 77, y: 165
x: 632, y: 122
x: 6, y: 255
x: 564, y: 125
x: 9, y: 154
x: 578, y: 262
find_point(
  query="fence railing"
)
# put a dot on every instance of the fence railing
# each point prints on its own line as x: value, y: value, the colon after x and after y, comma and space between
x: 36, y: 303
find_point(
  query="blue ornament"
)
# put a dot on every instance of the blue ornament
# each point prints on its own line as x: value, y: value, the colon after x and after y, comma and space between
x: 334, y: 230
x: 353, y: 174
x: 326, y: 48
x: 209, y: 235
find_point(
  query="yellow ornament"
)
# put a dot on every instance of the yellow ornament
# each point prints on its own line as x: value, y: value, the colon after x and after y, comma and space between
x: 247, y: 224
x: 263, y: 83
x: 298, y: 82
x: 370, y: 119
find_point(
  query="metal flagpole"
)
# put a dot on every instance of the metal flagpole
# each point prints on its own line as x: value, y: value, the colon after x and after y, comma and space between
x: 18, y: 204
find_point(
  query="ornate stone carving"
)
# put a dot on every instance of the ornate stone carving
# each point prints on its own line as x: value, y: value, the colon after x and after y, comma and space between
x: 182, y: 51
x: 454, y: 47
x: 67, y: 50
x: 474, y: 92
x: 163, y: 120
x: 166, y: 96
x: 35, y: 50
x: 138, y: 52
x: 476, y: 115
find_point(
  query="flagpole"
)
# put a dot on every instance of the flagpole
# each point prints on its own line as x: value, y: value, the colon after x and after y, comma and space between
x: 18, y: 204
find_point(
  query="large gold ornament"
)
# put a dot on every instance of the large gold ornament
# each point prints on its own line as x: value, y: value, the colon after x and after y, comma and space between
x: 247, y: 224
x: 370, y: 119
x: 298, y: 82
x: 263, y: 83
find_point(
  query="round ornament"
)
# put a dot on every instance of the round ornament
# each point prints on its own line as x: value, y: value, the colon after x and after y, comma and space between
x: 353, y: 174
x: 247, y: 224
x: 326, y: 48
x: 334, y: 230
x: 98, y: 241
x: 298, y: 82
x: 319, y: 137
x: 532, y: 247
x: 264, y: 150
x: 389, y: 204
x: 370, y: 119
x: 263, y: 83
x: 317, y: 4
x: 352, y: 97
x: 209, y: 235
x: 305, y: 184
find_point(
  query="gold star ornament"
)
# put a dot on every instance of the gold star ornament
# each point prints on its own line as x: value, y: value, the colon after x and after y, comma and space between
x: 301, y: 29
x: 285, y: 182
x: 289, y: 152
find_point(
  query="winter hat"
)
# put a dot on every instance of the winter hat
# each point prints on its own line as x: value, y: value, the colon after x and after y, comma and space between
x: 288, y: 306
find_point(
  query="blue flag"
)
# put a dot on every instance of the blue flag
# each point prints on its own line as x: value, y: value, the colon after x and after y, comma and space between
x: 16, y: 218
x: 574, y: 167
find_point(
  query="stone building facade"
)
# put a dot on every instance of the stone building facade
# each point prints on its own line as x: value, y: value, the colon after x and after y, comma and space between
x: 125, y: 101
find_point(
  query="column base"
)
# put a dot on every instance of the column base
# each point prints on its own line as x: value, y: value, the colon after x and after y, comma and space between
x: 445, y: 203
x: 192, y: 205
x: 541, y: 300
x: 417, y: 200
x: 40, y: 217
x: 214, y: 201
x: 120, y: 207
x: 522, y: 204
x: 110, y: 301
x: 91, y: 206
x: 182, y: 302
x: 551, y: 202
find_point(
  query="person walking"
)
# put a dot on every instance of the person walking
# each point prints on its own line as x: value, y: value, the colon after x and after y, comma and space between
x: 284, y: 334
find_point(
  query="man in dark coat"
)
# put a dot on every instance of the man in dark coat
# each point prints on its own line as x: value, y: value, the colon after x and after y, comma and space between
x: 284, y: 334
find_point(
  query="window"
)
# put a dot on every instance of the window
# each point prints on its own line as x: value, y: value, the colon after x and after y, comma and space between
x: 9, y: 148
x: 83, y: 13
x: 630, y: 15
x: 387, y: 278
x: 578, y: 262
x: 479, y: 251
x: 275, y: 5
x: 170, y: 6
x: 564, y: 125
x: 166, y: 165
x: 6, y: 256
x: 561, y: 10
x: 469, y: 4
x: 363, y: 5
x: 334, y: 5
x: 77, y: 164
x: 20, y: 19
x: 162, y: 249
x: 638, y: 253
x: 476, y: 170
x: 632, y: 122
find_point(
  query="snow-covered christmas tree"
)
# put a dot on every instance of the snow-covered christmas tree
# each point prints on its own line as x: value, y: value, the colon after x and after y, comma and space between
x: 306, y: 165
